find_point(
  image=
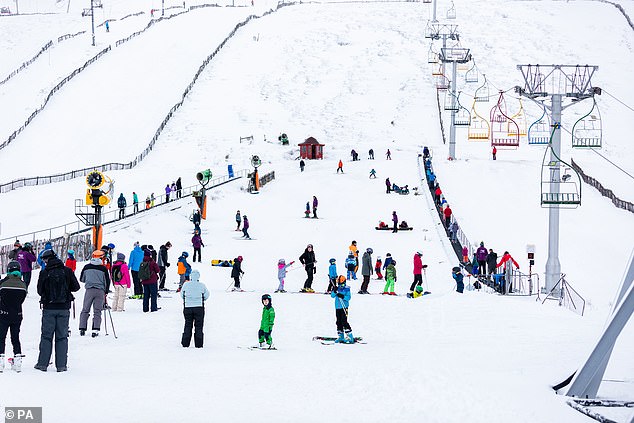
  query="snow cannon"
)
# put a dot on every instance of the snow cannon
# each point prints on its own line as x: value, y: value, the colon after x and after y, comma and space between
x: 204, y: 176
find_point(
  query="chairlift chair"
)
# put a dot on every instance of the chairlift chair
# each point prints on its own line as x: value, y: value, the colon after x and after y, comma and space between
x: 437, y: 69
x: 479, y: 128
x: 462, y: 117
x: 427, y: 1
x: 432, y: 56
x: 451, y: 12
x: 559, y: 190
x: 442, y: 82
x: 520, y: 119
x: 500, y: 126
x: 471, y: 75
x: 450, y: 103
x: 539, y: 133
x: 586, y: 132
x: 482, y: 93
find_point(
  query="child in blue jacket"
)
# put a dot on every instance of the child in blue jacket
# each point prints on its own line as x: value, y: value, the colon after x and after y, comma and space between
x: 458, y: 276
x: 341, y: 294
x: 351, y: 264
x: 332, y: 275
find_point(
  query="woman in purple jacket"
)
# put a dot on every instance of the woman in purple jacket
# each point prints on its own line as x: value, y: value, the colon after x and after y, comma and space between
x: 26, y: 258
x: 197, y: 242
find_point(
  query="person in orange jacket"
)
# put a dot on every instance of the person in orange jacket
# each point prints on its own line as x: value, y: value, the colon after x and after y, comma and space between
x: 340, y: 167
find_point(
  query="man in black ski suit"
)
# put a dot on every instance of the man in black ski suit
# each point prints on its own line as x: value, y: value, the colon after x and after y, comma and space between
x: 308, y: 260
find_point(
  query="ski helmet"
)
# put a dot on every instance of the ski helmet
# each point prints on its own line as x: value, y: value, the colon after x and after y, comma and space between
x: 13, y: 266
x: 419, y: 288
x: 47, y: 254
x: 239, y: 258
x: 379, y: 258
x: 350, y: 254
x: 370, y: 250
x: 98, y: 254
x: 28, y: 246
x: 332, y: 260
x: 281, y: 261
x: 185, y: 254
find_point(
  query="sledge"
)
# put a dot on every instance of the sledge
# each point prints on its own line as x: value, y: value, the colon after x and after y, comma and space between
x: 222, y: 263
x: 389, y: 228
x: 329, y: 340
x: 400, y: 190
x: 410, y: 295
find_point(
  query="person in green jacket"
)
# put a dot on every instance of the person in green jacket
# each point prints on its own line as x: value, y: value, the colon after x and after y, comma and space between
x: 266, y: 325
x: 390, y: 278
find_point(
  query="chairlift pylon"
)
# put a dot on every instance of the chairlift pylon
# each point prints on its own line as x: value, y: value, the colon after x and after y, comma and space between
x: 482, y: 93
x: 539, y: 132
x: 501, y: 133
x: 587, y: 132
x: 559, y: 189
x: 479, y: 128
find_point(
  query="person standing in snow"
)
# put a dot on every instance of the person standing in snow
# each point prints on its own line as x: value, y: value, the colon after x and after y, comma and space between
x: 194, y: 294
x: 308, y: 260
x: 197, y: 242
x: 266, y: 323
x: 351, y: 263
x: 163, y: 263
x: 121, y: 282
x: 96, y: 279
x: 366, y: 270
x: 307, y: 211
x: 388, y: 186
x: 341, y: 294
x: 377, y: 268
x: 173, y: 190
x: 302, y: 165
x: 245, y: 227
x: 447, y: 212
x: 372, y: 174
x: 168, y: 190
x: 494, y: 152
x: 481, y: 255
x: 340, y: 166
x: 281, y: 273
x: 390, y: 278
x: 332, y: 275
x: 179, y: 188
x: 371, y: 154
x: 458, y: 277
x: 492, y: 259
x: 13, y: 254
x: 236, y: 273
x: 418, y: 271
x: 148, y: 273
x: 136, y: 257
x: 315, y: 204
x: 121, y: 203
x: 388, y: 155
x: 107, y: 26
x: 71, y: 263
x: 437, y: 194
x: 395, y: 222
x: 12, y: 295
x: 184, y: 269
x: 238, y: 220
x: 152, y: 200
x: 148, y: 202
x: 40, y: 260
x: 465, y: 255
x: 26, y: 258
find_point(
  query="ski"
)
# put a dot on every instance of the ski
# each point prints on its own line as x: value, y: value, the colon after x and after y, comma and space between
x: 256, y: 347
x: 333, y: 339
x: 241, y: 290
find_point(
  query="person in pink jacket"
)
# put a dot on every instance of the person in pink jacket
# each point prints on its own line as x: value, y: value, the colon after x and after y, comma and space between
x: 418, y: 271
x: 121, y: 282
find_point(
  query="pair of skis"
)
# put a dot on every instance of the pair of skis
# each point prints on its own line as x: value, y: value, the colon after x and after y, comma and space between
x: 329, y: 340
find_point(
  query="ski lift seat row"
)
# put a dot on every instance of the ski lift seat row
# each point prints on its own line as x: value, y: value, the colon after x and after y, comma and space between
x: 561, y: 198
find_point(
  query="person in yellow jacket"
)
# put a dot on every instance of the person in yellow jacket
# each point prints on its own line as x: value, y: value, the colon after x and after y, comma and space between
x: 355, y: 252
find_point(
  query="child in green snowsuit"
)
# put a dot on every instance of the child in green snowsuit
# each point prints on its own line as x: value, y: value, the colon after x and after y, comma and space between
x: 266, y: 325
x: 390, y: 278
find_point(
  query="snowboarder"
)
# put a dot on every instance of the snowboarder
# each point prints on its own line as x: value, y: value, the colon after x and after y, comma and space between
x: 390, y: 278
x: 197, y: 242
x: 341, y: 294
x: 12, y: 295
x: 54, y: 285
x: 315, y: 203
x: 281, y: 273
x: 136, y: 257
x: 458, y: 277
x: 377, y: 268
x: 388, y: 155
x: 163, y: 263
x: 372, y: 174
x: 388, y: 186
x: 308, y: 260
x: 266, y: 324
x: 351, y: 263
x: 148, y: 273
x: 332, y: 275
x: 481, y: 255
x: 366, y: 270
x: 194, y: 294
x: 71, y: 263
x: 418, y: 271
x: 307, y: 211
x: 236, y: 273
x: 96, y: 279
x: 238, y: 220
x: 121, y: 282
x: 245, y: 227
x: 168, y: 190
x: 184, y: 269
x: 302, y: 164
x: 340, y: 167
x: 395, y: 221
x: 135, y: 202
x: 26, y: 258
x: 371, y: 154
x: 121, y: 203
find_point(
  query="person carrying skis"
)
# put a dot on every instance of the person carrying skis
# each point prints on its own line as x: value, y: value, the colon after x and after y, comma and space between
x: 307, y: 259
x: 377, y: 268
x: 121, y: 282
x: 341, y: 294
x: 121, y: 203
x: 12, y: 295
x: 281, y: 273
x: 366, y: 270
x: 194, y: 294
x: 340, y: 167
x: 266, y: 323
x: 197, y: 243
x: 238, y: 220
x: 458, y: 277
x: 481, y: 255
x: 418, y: 271
x: 245, y: 227
x: 332, y: 275
x: 390, y: 278
x: 351, y: 263
x: 236, y: 273
x: 315, y: 204
x: 71, y: 263
x: 184, y: 269
x: 96, y: 278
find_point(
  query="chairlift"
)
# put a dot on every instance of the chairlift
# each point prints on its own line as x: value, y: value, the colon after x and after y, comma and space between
x: 451, y: 12
x: 586, y: 132
x: 462, y: 117
x: 442, y: 82
x: 432, y: 56
x: 450, y: 103
x: 437, y: 69
x: 520, y: 119
x: 482, y: 93
x: 559, y: 189
x: 539, y: 133
x: 472, y: 74
x: 479, y: 128
x: 501, y: 133
x: 427, y: 1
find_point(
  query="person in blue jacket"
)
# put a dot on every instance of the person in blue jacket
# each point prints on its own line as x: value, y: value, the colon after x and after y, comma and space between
x: 194, y: 294
x: 136, y: 257
x: 458, y: 276
x: 41, y: 262
x: 332, y: 275
x: 341, y: 294
x: 351, y: 264
x: 388, y: 260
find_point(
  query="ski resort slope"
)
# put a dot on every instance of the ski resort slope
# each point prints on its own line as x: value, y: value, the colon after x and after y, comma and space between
x: 445, y: 357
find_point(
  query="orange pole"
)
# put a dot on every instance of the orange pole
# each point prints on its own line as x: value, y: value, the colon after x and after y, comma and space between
x: 203, y: 212
x: 97, y: 236
x: 257, y: 180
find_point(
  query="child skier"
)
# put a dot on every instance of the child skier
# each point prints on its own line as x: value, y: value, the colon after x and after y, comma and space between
x: 332, y: 275
x: 341, y: 294
x: 465, y: 255
x: 121, y: 282
x: 307, y: 211
x: 238, y: 220
x: 71, y: 263
x: 281, y: 273
x: 351, y: 264
x: 12, y: 295
x: 236, y: 272
x: 418, y: 292
x: 458, y: 276
x: 184, y: 269
x: 390, y: 278
x: 372, y: 174
x: 266, y: 324
x: 377, y: 268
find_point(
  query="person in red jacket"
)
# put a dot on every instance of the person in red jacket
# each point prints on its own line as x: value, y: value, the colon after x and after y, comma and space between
x: 505, y: 258
x: 150, y: 284
x: 437, y: 195
x: 71, y: 263
x: 447, y: 213
x: 418, y: 270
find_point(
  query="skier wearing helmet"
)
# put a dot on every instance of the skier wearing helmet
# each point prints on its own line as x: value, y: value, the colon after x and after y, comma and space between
x: 366, y: 270
x: 26, y: 258
x: 341, y: 294
x: 236, y: 272
x: 184, y: 269
x: 96, y: 278
x: 332, y: 275
x: 266, y: 324
x: 281, y: 273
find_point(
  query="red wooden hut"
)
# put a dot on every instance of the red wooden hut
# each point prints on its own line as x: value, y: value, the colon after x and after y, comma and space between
x: 311, y: 149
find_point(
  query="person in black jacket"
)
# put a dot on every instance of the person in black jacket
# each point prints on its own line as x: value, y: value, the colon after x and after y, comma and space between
x: 492, y: 259
x: 308, y: 260
x: 236, y: 272
x: 55, y: 286
x: 163, y: 263
x: 12, y: 295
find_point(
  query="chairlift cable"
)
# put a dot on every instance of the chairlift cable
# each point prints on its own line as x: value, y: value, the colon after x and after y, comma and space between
x: 604, y: 91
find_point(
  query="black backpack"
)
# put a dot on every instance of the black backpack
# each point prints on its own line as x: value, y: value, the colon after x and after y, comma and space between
x: 144, y: 271
x: 117, y: 274
x: 56, y: 289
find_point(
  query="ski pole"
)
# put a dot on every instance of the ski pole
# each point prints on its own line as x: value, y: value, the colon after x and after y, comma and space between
x: 112, y: 323
x: 105, y: 320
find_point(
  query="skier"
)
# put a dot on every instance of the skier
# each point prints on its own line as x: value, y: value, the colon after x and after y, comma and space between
x: 135, y: 202
x: 458, y: 276
x: 332, y: 275
x: 366, y: 270
x: 40, y: 259
x: 355, y: 251
x: 395, y: 222
x: 494, y: 152
x: 197, y: 242
x: 388, y: 186
x: 136, y: 257
x: 107, y: 26
x: 245, y: 227
x: 390, y: 278
x: 236, y: 273
x: 238, y: 220
x: 315, y: 203
x: 266, y: 324
x: 54, y: 285
x: 372, y: 174
x: 179, y: 188
x: 388, y: 155
x: 302, y: 165
x: 425, y: 152
x: 418, y: 292
x: 481, y: 255
x: 377, y: 268
x: 341, y: 294
x: 308, y: 260
x: 96, y: 278
x: 168, y: 190
x: 194, y: 294
x: 281, y: 273
x: 307, y: 211
x: 492, y: 259
x: 121, y: 282
x: 12, y: 295
x: 148, y: 202
x: 71, y: 263
x: 351, y: 263
x: 340, y: 167
x: 418, y: 271
x: 163, y: 263
x: 465, y: 255
x: 371, y: 154
x: 148, y: 273
x: 184, y: 269
x: 388, y: 260
x: 121, y: 203
x: 26, y: 258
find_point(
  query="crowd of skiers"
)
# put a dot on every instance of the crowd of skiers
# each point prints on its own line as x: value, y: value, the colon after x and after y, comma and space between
x: 173, y: 191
